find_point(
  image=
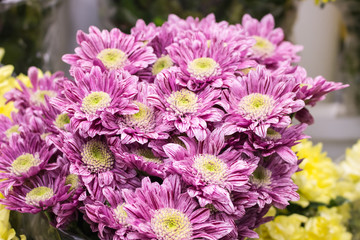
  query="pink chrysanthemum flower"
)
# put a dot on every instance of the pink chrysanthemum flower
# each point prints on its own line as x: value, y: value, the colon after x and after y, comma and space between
x: 94, y: 162
x: 258, y: 101
x: 146, y: 123
x: 206, y: 62
x: 35, y: 96
x: 111, y: 50
x: 23, y: 157
x: 272, y: 182
x: 164, y: 212
x: 39, y: 193
x: 187, y: 111
x: 144, y: 33
x: 67, y: 210
x: 96, y: 98
x: 212, y: 171
x: 109, y: 220
x: 270, y: 47
x: 313, y: 90
x: 277, y: 140
x: 147, y: 159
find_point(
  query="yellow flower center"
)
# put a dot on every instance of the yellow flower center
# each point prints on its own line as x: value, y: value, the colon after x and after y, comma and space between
x: 143, y: 119
x: 120, y: 214
x: 161, y: 64
x: 39, y: 96
x: 308, y: 86
x: 61, y: 120
x: 263, y: 47
x: 201, y: 68
x: 272, y: 134
x: 24, y: 162
x: 97, y: 156
x: 183, y: 101
x: 112, y: 58
x: 171, y: 224
x: 148, y: 156
x: 39, y: 194
x: 73, y: 181
x: 246, y: 71
x: 95, y: 101
x: 13, y: 129
x: 261, y: 177
x: 256, y: 106
x: 212, y: 169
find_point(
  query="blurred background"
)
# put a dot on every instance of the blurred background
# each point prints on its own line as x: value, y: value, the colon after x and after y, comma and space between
x: 39, y: 32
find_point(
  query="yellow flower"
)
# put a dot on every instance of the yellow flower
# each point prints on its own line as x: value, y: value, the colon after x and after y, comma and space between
x: 8, y: 82
x: 6, y: 232
x: 318, y: 180
x: 328, y: 225
x: 283, y: 228
x: 317, y: 2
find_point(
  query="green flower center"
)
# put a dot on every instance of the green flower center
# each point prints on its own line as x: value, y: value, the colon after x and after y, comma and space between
x: 61, y: 120
x: 23, y: 163
x: 263, y: 47
x: 143, y: 119
x: 148, y: 156
x: 121, y: 214
x: 272, y: 134
x: 95, y: 101
x: 39, y: 96
x: 212, y: 169
x: 39, y: 194
x: 256, y: 106
x: 261, y: 177
x: 171, y: 224
x: 73, y: 181
x: 161, y: 64
x: 183, y: 101
x: 201, y: 68
x: 112, y: 58
x: 13, y: 129
x: 97, y: 156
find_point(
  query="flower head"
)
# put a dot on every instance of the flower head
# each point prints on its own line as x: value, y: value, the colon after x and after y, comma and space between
x: 96, y: 98
x: 112, y: 50
x: 165, y: 212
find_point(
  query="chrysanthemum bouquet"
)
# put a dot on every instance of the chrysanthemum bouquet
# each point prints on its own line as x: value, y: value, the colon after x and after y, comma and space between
x: 182, y: 131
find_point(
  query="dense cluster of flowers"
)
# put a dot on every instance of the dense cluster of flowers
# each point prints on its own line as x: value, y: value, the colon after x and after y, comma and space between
x: 329, y: 199
x: 182, y: 131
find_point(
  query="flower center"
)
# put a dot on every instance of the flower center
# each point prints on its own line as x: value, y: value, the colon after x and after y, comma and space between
x: 120, y: 214
x: 263, y: 47
x: 212, y: 169
x: 97, y: 156
x: 171, y: 224
x: 112, y: 58
x: 272, y: 134
x: 39, y: 96
x: 183, y: 101
x: 246, y: 71
x: 10, y: 131
x: 261, y: 177
x: 148, y: 156
x: 161, y: 64
x: 201, y: 68
x: 61, y: 120
x: 24, y: 162
x: 308, y: 86
x: 143, y: 119
x: 73, y: 181
x: 35, y: 196
x: 256, y: 106
x: 95, y: 101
